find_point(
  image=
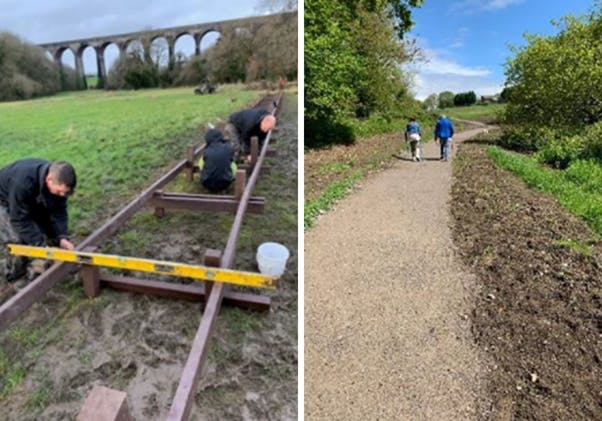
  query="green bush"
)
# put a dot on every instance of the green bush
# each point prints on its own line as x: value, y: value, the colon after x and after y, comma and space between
x: 527, y: 137
x: 592, y: 145
x: 561, y: 152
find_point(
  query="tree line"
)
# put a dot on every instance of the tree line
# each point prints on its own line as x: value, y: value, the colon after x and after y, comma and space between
x: 260, y: 52
x: 448, y: 99
x: 26, y: 72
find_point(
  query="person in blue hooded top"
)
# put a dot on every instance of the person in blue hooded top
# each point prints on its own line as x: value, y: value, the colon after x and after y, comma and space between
x: 444, y: 131
x: 216, y: 164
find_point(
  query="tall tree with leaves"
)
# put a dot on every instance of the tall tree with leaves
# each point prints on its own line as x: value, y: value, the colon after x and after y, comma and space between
x: 556, y: 81
x: 353, y: 53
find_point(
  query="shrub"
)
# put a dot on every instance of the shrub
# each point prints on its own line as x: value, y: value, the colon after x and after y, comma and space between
x: 527, y: 137
x: 592, y: 148
x: 561, y: 152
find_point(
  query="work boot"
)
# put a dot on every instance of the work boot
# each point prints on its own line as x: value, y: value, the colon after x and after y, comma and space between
x: 20, y: 284
x: 15, y: 268
x: 37, y: 267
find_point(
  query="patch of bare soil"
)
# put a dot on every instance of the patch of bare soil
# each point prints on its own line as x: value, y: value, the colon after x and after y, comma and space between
x: 538, y: 316
x: 139, y: 344
x: 325, y: 166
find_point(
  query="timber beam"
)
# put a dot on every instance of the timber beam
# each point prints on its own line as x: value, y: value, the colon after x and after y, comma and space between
x: 204, y: 202
x: 190, y: 292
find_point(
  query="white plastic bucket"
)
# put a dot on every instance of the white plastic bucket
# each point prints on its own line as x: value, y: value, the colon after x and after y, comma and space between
x: 271, y: 258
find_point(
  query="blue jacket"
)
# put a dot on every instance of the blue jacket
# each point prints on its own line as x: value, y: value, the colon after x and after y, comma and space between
x: 413, y: 127
x: 444, y: 128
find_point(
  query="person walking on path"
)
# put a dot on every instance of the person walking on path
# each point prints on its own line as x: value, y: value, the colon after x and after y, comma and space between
x: 444, y: 131
x: 217, y: 162
x: 247, y: 123
x: 413, y: 135
x: 33, y: 209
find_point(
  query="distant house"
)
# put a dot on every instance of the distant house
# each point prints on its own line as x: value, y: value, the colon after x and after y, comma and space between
x: 490, y: 99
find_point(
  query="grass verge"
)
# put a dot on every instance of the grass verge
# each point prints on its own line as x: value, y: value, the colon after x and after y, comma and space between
x: 326, y: 200
x: 574, y: 196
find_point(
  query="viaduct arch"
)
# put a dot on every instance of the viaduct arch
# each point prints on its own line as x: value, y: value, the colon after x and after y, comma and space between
x: 99, y: 44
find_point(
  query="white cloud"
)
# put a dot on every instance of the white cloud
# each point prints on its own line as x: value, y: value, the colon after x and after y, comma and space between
x: 436, y: 64
x: 500, y: 4
x: 438, y: 74
x: 460, y: 37
x: 474, y: 6
x: 426, y: 84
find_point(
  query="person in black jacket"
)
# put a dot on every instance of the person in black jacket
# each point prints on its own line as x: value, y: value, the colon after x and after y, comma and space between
x: 217, y: 162
x: 33, y: 208
x: 247, y: 123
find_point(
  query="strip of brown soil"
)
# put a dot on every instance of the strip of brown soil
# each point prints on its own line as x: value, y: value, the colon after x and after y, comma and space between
x: 539, y: 314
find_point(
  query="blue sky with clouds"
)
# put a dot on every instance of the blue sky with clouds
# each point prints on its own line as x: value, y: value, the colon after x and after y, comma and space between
x: 466, y: 42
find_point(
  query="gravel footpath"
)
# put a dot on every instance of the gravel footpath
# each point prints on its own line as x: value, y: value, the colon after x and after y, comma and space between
x: 387, y: 303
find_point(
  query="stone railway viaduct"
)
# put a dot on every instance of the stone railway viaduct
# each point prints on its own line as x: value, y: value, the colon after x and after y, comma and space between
x: 122, y: 41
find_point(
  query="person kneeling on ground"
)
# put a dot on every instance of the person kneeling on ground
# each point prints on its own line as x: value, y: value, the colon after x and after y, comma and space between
x: 33, y: 211
x: 248, y: 123
x: 413, y: 134
x: 217, y: 162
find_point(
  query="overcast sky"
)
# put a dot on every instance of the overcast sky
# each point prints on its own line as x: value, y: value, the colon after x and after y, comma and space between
x: 43, y: 21
x: 466, y: 41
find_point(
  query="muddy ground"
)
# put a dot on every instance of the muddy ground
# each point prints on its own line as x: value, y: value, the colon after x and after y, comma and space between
x: 66, y: 344
x: 538, y: 316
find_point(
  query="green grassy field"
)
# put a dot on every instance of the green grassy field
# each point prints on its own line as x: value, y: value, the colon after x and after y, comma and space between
x: 92, y: 81
x: 485, y: 113
x: 118, y: 141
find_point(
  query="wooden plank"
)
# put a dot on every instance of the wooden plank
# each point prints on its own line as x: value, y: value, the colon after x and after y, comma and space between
x: 91, y: 281
x: 205, y: 204
x: 239, y: 185
x: 254, y: 150
x: 190, y: 163
x: 180, y: 407
x: 212, y: 258
x: 105, y: 404
x: 32, y: 292
x: 190, y: 292
x: 22, y: 300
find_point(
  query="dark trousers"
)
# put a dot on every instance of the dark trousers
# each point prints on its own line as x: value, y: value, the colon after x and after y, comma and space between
x: 232, y: 134
x: 12, y: 267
